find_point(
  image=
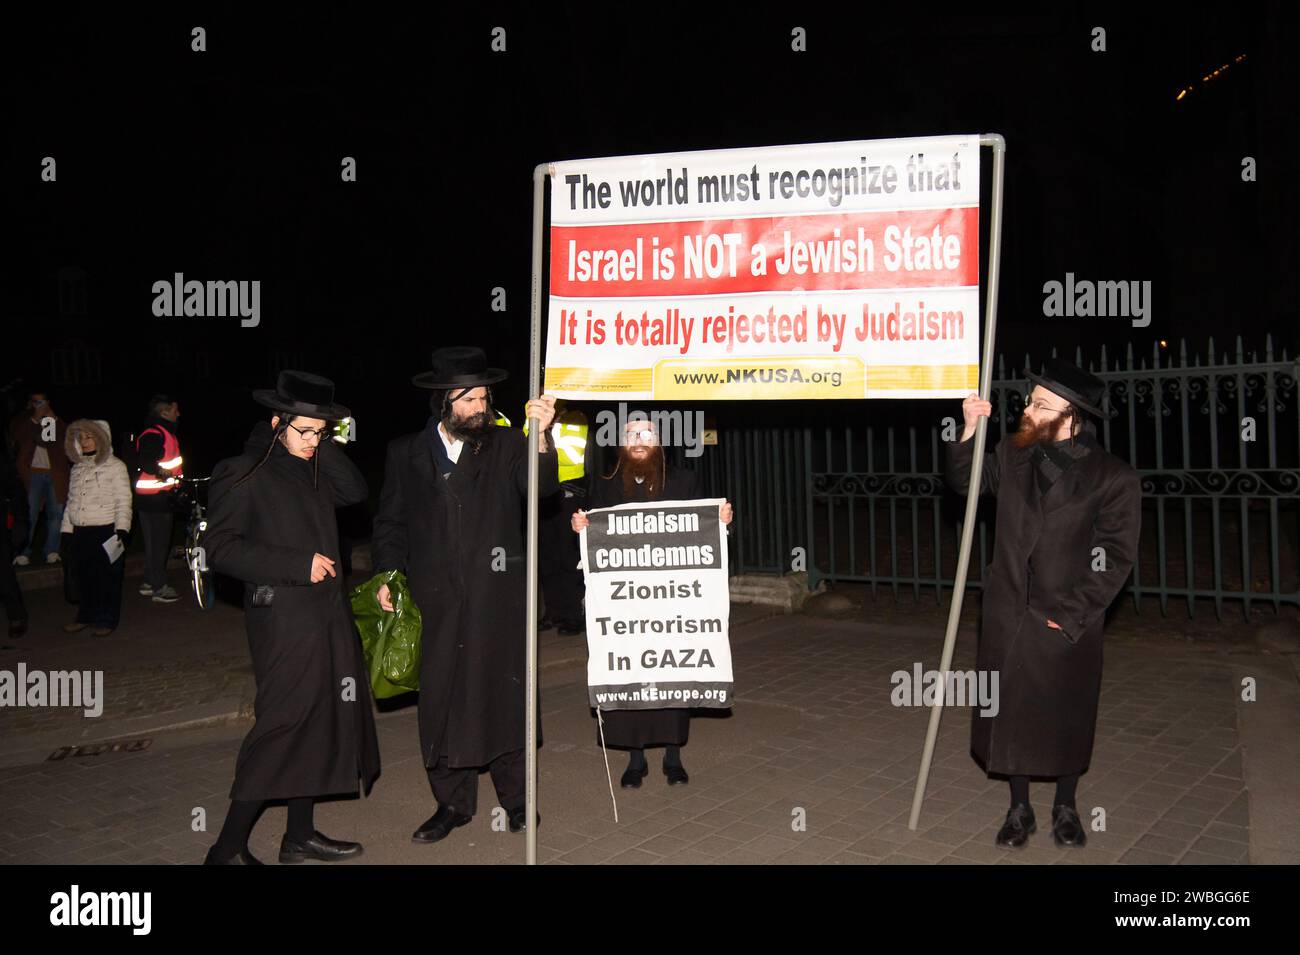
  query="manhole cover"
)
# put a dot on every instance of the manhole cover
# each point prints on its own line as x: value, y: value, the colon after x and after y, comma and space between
x: 98, y: 749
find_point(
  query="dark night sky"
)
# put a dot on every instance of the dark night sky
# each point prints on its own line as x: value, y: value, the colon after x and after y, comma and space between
x: 225, y: 165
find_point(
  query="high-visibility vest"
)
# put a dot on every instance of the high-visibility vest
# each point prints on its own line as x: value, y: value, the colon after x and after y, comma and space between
x: 569, y: 435
x: 169, y: 465
x: 502, y: 421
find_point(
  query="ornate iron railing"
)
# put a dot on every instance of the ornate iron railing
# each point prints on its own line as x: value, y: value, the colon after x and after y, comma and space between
x: 1216, y: 440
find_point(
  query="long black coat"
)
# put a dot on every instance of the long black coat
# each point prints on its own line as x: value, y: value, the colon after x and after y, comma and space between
x: 634, y: 729
x: 1049, y: 680
x: 443, y: 534
x: 308, y: 739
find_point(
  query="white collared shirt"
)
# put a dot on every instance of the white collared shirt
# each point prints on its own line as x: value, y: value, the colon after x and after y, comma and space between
x: 453, y: 447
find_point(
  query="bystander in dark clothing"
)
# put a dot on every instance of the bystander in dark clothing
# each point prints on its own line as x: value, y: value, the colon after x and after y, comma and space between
x: 13, y: 535
x: 37, y: 439
x: 159, y: 464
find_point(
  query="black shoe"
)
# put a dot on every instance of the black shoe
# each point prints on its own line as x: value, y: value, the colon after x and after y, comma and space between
x: 438, y: 826
x: 242, y: 857
x: 518, y: 820
x: 571, y: 628
x: 1017, y: 829
x: 1067, y: 830
x: 319, y: 847
x: 17, y: 628
x: 632, y: 777
x: 676, y: 774
x: 546, y: 623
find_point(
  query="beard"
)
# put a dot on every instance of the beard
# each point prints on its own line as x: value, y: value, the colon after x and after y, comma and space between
x: 650, y: 469
x: 1031, y: 435
x: 470, y: 428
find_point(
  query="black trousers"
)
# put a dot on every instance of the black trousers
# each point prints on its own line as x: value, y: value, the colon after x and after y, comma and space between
x: 99, y: 581
x: 156, y: 528
x: 558, y: 553
x: 10, y: 594
x: 459, y: 787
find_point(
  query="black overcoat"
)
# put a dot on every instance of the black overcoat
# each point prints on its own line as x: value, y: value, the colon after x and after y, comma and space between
x: 1049, y: 680
x: 314, y: 734
x: 634, y: 729
x: 444, y: 534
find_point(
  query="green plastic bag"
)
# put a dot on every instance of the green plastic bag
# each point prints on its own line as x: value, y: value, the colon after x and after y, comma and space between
x: 391, y: 641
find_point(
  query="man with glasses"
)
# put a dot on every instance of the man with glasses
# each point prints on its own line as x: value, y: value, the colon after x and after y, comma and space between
x: 642, y: 474
x: 1068, y: 520
x: 271, y: 524
x: 451, y: 517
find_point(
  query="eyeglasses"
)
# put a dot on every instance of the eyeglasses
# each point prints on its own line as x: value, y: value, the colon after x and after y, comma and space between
x: 645, y: 436
x: 1039, y: 406
x: 319, y: 433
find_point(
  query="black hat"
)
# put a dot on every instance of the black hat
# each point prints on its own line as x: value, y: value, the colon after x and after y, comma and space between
x: 301, y: 393
x: 1082, y: 389
x: 459, y: 366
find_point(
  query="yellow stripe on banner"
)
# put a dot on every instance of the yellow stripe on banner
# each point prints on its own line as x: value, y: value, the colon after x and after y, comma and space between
x: 598, y: 379
x: 922, y: 377
x: 765, y: 378
x: 758, y: 379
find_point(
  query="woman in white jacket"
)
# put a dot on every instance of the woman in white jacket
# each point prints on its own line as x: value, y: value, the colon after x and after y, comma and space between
x: 98, y: 512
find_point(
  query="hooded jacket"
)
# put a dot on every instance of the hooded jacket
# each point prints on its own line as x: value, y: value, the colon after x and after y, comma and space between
x: 99, y: 488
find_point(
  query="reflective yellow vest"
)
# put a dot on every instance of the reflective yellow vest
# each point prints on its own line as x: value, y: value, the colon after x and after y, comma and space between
x: 569, y: 435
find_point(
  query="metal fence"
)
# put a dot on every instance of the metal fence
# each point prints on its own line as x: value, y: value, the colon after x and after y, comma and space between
x: 1215, y: 438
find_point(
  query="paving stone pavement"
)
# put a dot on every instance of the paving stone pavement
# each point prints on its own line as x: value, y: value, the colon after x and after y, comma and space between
x: 813, y: 765
x: 165, y: 665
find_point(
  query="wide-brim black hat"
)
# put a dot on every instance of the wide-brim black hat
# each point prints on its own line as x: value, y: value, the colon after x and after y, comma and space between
x: 459, y: 366
x: 1082, y: 389
x: 301, y: 393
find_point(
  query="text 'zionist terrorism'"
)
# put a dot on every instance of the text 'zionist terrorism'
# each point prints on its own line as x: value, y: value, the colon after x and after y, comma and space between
x: 657, y: 606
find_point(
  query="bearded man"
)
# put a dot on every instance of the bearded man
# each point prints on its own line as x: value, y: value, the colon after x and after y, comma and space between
x: 451, y: 517
x: 1068, y: 519
x: 642, y: 474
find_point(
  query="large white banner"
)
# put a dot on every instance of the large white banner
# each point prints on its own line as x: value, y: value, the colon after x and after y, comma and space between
x: 658, y: 608
x: 833, y: 270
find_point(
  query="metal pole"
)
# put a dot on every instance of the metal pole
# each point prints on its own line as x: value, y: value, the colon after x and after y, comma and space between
x: 540, y: 177
x: 977, y: 466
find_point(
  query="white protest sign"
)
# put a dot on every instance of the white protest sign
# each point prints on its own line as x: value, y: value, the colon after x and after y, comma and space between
x: 829, y: 270
x: 658, y: 608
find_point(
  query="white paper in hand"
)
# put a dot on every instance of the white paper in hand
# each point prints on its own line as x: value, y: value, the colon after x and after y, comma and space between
x: 113, y: 548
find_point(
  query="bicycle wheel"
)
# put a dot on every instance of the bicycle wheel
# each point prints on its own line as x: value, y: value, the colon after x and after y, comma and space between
x: 204, y: 588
